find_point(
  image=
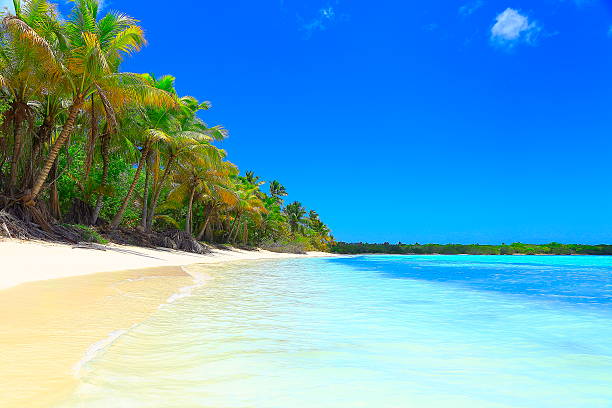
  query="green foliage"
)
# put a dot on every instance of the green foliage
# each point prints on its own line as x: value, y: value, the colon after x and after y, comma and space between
x: 89, y: 234
x: 103, y: 146
x: 517, y: 248
x: 5, y: 105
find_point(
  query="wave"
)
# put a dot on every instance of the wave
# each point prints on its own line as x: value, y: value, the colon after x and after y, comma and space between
x: 95, y: 349
x: 98, y: 347
x: 186, y: 291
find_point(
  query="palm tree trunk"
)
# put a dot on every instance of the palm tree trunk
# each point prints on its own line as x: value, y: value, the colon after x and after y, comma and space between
x: 204, y: 225
x: 105, y: 162
x: 43, y: 134
x: 234, y: 235
x: 17, y: 143
x: 91, y: 142
x: 190, y: 212
x: 157, y: 193
x: 145, y: 193
x: 54, y: 195
x: 29, y: 198
x: 126, y: 200
x: 231, y: 230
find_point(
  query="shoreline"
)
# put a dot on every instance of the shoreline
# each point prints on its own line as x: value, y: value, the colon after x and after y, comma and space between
x: 40, y: 260
x: 62, y: 307
x: 371, y: 253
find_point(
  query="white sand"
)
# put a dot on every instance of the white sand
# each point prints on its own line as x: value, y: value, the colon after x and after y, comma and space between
x: 26, y: 261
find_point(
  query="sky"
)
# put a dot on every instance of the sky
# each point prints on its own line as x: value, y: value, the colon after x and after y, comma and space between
x: 468, y: 121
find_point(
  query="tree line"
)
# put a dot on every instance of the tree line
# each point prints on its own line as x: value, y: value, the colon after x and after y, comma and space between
x: 552, y: 248
x: 87, y: 147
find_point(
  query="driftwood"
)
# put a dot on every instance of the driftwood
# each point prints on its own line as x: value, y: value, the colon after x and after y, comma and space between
x: 25, y: 225
x: 90, y: 245
x: 26, y: 228
x: 172, y: 239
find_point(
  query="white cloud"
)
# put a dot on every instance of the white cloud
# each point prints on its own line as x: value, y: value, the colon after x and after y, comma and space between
x: 324, y: 17
x: 470, y: 8
x: 511, y: 27
x: 328, y: 13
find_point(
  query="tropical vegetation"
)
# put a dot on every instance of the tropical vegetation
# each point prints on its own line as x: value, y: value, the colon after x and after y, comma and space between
x: 552, y: 248
x: 86, y: 148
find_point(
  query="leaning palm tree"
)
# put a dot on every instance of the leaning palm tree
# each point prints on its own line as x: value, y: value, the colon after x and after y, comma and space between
x: 146, y: 139
x: 24, y: 75
x: 89, y: 65
x: 219, y: 195
x: 248, y: 206
x: 201, y: 180
x: 188, y: 136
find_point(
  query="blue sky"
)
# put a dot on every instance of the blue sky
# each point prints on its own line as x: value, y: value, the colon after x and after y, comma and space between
x: 440, y: 121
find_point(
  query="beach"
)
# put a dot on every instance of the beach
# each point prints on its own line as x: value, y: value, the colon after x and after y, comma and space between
x: 59, y: 306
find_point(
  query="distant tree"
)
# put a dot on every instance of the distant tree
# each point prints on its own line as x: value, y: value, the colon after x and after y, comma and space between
x: 252, y: 178
x: 277, y: 190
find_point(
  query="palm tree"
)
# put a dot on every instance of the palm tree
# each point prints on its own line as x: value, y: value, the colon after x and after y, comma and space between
x: 201, y: 180
x: 188, y: 135
x: 147, y: 139
x: 27, y: 43
x: 277, y: 190
x: 295, y: 215
x: 274, y: 221
x: 251, y: 177
x: 219, y: 195
x: 71, y: 122
x: 249, y: 206
x: 94, y: 50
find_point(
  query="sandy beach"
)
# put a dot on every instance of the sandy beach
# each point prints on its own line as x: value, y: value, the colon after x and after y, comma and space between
x: 26, y: 261
x: 60, y: 305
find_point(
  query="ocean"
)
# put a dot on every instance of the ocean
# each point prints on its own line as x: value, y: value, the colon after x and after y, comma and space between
x: 368, y: 331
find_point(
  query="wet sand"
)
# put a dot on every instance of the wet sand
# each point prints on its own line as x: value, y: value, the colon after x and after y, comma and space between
x: 48, y: 327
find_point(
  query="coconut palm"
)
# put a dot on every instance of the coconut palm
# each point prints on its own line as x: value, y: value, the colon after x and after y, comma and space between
x: 74, y: 125
x: 248, y: 207
x: 277, y: 190
x: 27, y: 42
x: 295, y: 216
x: 145, y: 139
x: 202, y: 180
x: 89, y: 65
x: 188, y: 136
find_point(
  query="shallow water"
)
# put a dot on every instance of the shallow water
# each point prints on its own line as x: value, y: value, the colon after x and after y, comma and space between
x: 371, y: 331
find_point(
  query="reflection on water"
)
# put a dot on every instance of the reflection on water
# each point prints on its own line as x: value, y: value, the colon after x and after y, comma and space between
x: 372, y: 331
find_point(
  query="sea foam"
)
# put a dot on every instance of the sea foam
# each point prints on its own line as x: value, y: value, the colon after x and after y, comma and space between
x: 96, y: 349
x: 186, y: 291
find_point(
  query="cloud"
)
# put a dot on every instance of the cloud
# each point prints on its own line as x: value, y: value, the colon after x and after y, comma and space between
x: 511, y: 28
x: 470, y: 8
x: 320, y: 23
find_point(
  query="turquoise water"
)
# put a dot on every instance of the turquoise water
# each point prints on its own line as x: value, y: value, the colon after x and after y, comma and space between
x: 371, y: 331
